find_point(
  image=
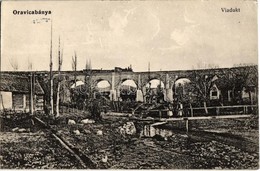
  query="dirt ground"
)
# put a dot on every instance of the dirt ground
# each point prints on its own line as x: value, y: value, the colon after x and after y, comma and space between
x: 219, y: 144
x: 215, y: 144
x: 32, y: 149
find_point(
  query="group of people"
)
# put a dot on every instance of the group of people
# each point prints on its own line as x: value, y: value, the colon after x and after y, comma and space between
x: 178, y: 111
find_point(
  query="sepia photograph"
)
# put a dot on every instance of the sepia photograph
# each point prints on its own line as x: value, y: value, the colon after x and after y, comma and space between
x: 129, y: 84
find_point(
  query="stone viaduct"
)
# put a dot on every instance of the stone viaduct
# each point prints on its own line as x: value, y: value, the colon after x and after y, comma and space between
x: 118, y: 75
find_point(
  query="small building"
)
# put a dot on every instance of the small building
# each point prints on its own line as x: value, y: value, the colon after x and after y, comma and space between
x: 214, y: 92
x: 15, y: 93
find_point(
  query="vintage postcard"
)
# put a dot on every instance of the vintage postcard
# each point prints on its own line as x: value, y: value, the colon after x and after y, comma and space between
x: 129, y: 84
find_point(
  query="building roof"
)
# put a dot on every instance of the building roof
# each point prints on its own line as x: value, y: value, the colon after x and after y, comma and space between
x: 19, y: 84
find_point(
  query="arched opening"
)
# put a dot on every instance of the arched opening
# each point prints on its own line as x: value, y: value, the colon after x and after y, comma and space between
x: 182, y: 90
x: 78, y: 94
x: 78, y: 89
x: 77, y: 84
x: 154, y: 91
x: 155, y: 83
x: 128, y: 90
x: 103, y: 88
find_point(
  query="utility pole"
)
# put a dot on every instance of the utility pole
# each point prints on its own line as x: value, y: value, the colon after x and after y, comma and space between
x: 31, y: 94
x: 149, y: 71
x: 149, y: 84
x: 51, y: 79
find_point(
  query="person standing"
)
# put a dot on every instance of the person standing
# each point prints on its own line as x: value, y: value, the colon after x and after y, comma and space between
x: 170, y: 110
x: 180, y: 109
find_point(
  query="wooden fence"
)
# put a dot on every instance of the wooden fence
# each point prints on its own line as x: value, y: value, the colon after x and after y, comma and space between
x: 213, y: 111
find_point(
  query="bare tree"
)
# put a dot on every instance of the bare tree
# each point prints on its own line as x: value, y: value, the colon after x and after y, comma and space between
x: 30, y: 65
x: 204, y: 65
x: 202, y: 85
x: 74, y: 67
x: 88, y: 65
x: 247, y: 77
x: 32, y: 87
x: 14, y: 64
x: 88, y: 68
x: 241, y: 77
x: 60, y: 60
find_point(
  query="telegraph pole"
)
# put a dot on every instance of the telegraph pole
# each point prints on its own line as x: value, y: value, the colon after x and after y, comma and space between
x: 149, y: 84
x: 31, y: 94
x: 51, y: 80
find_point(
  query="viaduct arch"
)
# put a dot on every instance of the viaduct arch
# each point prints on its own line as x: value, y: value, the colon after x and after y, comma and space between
x: 116, y: 78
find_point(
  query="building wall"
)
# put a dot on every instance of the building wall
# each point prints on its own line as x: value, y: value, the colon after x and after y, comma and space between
x: 214, y: 93
x: 5, y: 100
x: 39, y: 100
x: 18, y: 102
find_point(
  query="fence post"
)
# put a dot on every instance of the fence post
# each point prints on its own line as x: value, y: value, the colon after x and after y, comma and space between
x: 187, y: 125
x: 217, y: 110
x: 191, y: 110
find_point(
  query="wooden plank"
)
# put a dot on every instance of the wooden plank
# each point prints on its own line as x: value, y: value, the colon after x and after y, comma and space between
x: 144, y: 119
x: 210, y: 107
x: 162, y: 110
x: 158, y: 123
x: 192, y: 118
x: 39, y: 120
x: 117, y: 114
x: 237, y: 106
x: 70, y: 150
x: 206, y: 117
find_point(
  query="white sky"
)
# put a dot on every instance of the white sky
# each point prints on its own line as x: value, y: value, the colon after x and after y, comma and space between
x: 170, y: 34
x: 78, y: 83
x: 155, y: 83
x: 103, y: 84
x: 129, y: 83
x: 182, y: 81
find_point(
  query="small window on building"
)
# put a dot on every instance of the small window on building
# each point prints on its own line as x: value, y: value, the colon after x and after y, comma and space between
x: 214, y: 93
